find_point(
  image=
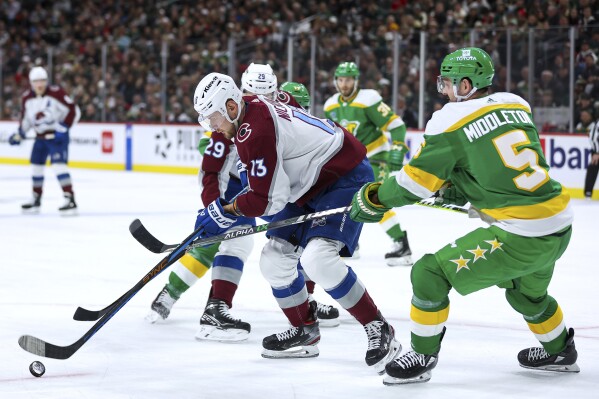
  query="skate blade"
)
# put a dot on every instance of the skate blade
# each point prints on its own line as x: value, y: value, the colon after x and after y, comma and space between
x: 403, y: 261
x: 329, y: 323
x: 394, y: 350
x: 69, y: 212
x: 211, y: 333
x: 304, y: 351
x: 390, y: 381
x: 31, y: 211
x: 153, y: 317
x: 572, y: 368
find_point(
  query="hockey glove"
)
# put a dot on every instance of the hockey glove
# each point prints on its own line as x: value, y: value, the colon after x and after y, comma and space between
x: 450, y: 195
x: 364, y: 210
x: 395, y: 157
x: 61, y: 133
x: 16, y: 138
x: 213, y: 220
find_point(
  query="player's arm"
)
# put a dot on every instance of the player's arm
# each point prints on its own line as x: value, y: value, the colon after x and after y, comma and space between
x: 385, y: 119
x: 270, y: 185
x: 67, y: 103
x: 215, y: 155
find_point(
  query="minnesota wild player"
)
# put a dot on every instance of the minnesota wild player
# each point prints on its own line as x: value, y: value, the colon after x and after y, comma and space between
x: 488, y: 147
x: 364, y: 114
x: 298, y: 91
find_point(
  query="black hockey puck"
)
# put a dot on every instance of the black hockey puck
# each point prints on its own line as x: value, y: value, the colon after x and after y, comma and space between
x: 37, y: 369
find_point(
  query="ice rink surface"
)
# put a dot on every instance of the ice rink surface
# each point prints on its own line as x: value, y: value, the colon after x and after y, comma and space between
x: 52, y: 264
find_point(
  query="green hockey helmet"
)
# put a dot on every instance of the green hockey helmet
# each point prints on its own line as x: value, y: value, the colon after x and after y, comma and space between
x: 298, y: 91
x: 347, y: 69
x: 470, y: 62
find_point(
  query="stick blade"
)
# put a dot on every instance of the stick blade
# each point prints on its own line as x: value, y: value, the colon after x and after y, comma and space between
x: 42, y: 348
x: 145, y: 238
x: 88, y: 315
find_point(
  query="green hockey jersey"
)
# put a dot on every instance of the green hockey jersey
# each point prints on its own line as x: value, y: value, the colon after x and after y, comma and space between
x: 489, y: 148
x: 366, y: 116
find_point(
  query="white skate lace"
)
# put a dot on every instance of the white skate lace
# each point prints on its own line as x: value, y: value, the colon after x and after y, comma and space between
x: 287, y: 334
x: 165, y: 299
x: 223, y: 309
x: 321, y: 307
x: 373, y: 331
x: 538, y: 353
x: 411, y: 359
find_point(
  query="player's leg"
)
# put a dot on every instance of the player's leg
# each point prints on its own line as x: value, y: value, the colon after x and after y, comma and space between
x: 59, y: 156
x: 328, y: 315
x: 185, y: 273
x: 590, y: 179
x: 400, y: 254
x: 528, y: 296
x: 337, y: 235
x: 39, y: 154
x: 278, y: 264
x: 217, y: 323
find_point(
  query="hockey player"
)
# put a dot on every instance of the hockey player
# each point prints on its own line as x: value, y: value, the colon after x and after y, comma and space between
x: 298, y: 91
x: 296, y: 164
x: 220, y: 177
x: 364, y: 114
x: 51, y: 113
x: 488, y: 147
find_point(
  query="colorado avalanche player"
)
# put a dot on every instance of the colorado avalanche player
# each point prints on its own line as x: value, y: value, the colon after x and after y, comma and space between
x: 296, y: 164
x: 51, y: 113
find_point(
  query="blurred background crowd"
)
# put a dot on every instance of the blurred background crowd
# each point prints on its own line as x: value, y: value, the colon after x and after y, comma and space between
x: 146, y: 43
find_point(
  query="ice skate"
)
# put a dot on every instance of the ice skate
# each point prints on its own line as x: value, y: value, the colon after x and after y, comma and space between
x: 328, y: 315
x: 401, y: 254
x: 411, y: 367
x: 161, y: 307
x: 295, y: 342
x: 70, y: 207
x: 33, y: 206
x: 217, y: 324
x: 537, y: 358
x: 382, y: 345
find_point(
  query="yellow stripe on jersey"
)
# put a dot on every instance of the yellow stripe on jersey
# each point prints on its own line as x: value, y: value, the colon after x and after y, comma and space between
x: 482, y: 111
x: 386, y: 125
x: 429, y: 318
x: 332, y: 107
x: 381, y: 141
x: 542, y: 210
x: 193, y: 265
x: 359, y: 105
x: 548, y: 325
x: 427, y: 180
x: 388, y: 215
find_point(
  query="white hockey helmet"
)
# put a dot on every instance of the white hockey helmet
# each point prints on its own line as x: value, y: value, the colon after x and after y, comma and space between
x: 259, y: 79
x: 210, y: 98
x: 38, y: 73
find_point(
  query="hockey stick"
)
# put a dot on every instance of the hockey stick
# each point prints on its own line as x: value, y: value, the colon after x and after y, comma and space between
x: 448, y: 207
x: 40, y: 347
x: 139, y: 231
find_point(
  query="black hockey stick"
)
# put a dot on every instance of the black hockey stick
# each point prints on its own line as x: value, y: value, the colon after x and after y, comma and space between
x: 40, y: 347
x: 139, y: 231
x: 147, y: 239
x: 429, y: 202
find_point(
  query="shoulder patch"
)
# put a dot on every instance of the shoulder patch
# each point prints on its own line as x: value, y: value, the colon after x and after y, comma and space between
x: 243, y: 133
x: 368, y: 97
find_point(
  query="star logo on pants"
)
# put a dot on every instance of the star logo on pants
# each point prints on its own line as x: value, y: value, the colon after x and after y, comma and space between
x: 462, y: 263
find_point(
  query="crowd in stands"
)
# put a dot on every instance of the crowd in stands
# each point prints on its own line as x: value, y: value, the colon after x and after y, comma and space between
x: 72, y: 34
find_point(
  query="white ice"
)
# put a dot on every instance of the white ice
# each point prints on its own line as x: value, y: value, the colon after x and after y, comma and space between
x: 52, y: 264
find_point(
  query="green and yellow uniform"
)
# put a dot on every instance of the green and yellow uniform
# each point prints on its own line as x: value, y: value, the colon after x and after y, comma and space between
x: 489, y: 149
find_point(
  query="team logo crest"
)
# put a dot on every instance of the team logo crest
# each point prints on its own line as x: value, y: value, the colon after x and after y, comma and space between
x: 243, y: 132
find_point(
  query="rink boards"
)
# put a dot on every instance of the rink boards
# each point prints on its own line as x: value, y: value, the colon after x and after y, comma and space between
x: 173, y: 149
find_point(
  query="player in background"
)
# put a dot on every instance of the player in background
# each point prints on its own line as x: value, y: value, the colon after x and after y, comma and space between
x: 298, y: 91
x: 364, y: 114
x: 296, y: 164
x: 51, y: 113
x: 488, y: 147
x: 220, y: 175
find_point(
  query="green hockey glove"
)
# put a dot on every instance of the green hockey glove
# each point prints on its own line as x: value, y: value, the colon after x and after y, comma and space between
x: 363, y: 209
x: 449, y: 194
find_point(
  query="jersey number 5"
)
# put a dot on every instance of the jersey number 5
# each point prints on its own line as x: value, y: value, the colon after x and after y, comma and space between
x: 519, y: 160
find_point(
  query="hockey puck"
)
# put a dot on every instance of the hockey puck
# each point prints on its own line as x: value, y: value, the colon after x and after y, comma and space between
x: 37, y: 369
